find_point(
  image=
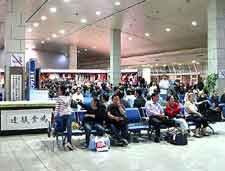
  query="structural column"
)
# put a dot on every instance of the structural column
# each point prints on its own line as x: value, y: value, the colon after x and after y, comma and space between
x: 216, y: 39
x: 14, y: 45
x: 115, y: 54
x: 72, y: 57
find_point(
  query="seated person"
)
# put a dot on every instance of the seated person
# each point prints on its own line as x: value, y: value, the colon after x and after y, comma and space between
x: 195, y: 117
x: 203, y: 102
x: 156, y: 115
x: 95, y: 118
x: 123, y: 101
x: 117, y: 119
x: 215, y: 100
x: 173, y: 110
x: 130, y: 97
x: 64, y: 110
x: 139, y: 102
x: 222, y: 104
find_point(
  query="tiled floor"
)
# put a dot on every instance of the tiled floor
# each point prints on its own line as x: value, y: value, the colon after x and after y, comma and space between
x: 34, y: 153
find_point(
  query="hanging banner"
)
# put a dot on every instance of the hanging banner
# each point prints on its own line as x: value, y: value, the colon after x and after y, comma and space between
x: 17, y: 59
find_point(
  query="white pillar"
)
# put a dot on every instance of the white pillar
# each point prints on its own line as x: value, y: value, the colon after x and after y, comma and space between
x: 72, y: 57
x: 115, y: 53
x: 216, y: 39
x: 14, y: 37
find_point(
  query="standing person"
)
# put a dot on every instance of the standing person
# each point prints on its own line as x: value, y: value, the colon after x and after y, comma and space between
x: 63, y: 110
x: 77, y: 99
x: 156, y: 115
x: 95, y: 118
x: 153, y: 88
x: 200, y: 84
x: 117, y: 119
x: 164, y: 86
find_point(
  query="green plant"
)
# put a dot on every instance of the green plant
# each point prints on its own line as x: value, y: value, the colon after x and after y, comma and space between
x: 211, y: 82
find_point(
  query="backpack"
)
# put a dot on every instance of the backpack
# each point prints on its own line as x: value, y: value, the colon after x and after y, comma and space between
x: 176, y: 137
x: 99, y: 143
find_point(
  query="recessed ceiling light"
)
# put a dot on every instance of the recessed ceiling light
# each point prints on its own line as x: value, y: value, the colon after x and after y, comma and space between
x: 180, y: 64
x: 43, y: 18
x: 130, y: 38
x: 54, y: 35
x: 194, y: 23
x: 164, y: 65
x: 36, y: 24
x: 117, y: 3
x: 85, y: 50
x: 156, y: 64
x: 168, y: 29
x: 66, y: 0
x: 147, y: 34
x: 29, y: 30
x: 98, y: 13
x: 62, y: 31
x: 197, y: 63
x: 53, y: 9
x: 48, y: 38
x: 194, y: 61
x: 42, y: 42
x: 83, y: 20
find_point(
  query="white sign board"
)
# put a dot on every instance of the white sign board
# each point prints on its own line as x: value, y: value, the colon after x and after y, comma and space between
x: 17, y: 60
x: 25, y: 119
x: 38, y: 94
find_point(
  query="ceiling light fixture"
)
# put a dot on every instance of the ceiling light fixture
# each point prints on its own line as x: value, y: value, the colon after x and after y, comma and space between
x: 194, y: 61
x: 98, y: 13
x: 83, y: 20
x: 54, y: 35
x: 66, y: 0
x: 194, y: 23
x: 130, y: 38
x: 29, y: 30
x: 53, y: 9
x: 147, y: 34
x: 36, y: 24
x: 43, y: 18
x: 85, y: 50
x: 117, y: 3
x: 168, y: 29
x: 62, y: 31
x: 48, y: 39
x: 42, y: 42
x: 197, y: 63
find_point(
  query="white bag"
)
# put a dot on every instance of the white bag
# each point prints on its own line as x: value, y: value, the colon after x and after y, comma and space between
x: 99, y: 144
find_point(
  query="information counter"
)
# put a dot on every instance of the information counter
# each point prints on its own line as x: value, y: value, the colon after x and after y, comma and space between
x: 21, y: 116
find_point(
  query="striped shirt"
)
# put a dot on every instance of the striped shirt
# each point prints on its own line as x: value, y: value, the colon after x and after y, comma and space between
x: 63, y: 105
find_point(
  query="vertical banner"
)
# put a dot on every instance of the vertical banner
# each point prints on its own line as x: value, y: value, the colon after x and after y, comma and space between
x: 31, y: 80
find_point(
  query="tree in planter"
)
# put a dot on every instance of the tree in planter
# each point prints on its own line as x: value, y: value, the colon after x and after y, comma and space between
x: 211, y: 83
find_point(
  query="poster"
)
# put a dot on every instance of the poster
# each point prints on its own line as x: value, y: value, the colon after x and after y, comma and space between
x: 16, y: 87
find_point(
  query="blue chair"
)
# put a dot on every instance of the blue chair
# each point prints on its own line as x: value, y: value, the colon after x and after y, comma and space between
x: 135, y: 121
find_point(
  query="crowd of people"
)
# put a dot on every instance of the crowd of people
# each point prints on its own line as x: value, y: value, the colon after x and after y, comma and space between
x: 163, y: 104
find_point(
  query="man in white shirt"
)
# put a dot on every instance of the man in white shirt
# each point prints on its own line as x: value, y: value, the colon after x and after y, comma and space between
x: 156, y: 115
x: 164, y: 86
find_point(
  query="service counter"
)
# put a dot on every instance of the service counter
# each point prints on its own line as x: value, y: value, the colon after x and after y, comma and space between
x: 21, y: 116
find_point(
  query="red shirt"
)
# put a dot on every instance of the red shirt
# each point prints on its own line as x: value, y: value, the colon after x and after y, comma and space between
x: 172, y: 110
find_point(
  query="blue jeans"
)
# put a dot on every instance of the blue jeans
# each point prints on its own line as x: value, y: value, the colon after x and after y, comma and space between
x: 66, y: 122
x: 88, y: 126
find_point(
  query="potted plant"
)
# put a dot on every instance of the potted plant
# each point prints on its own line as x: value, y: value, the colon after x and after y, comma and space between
x: 211, y: 82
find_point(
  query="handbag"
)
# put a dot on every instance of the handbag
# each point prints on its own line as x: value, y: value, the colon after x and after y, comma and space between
x: 99, y: 143
x: 176, y: 137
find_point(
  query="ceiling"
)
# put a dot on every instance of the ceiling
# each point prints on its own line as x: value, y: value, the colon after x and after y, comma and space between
x: 135, y: 18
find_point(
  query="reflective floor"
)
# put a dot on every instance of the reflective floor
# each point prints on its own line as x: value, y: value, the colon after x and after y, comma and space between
x: 34, y: 153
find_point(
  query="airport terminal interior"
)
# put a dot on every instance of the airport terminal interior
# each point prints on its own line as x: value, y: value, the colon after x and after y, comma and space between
x: 127, y: 85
